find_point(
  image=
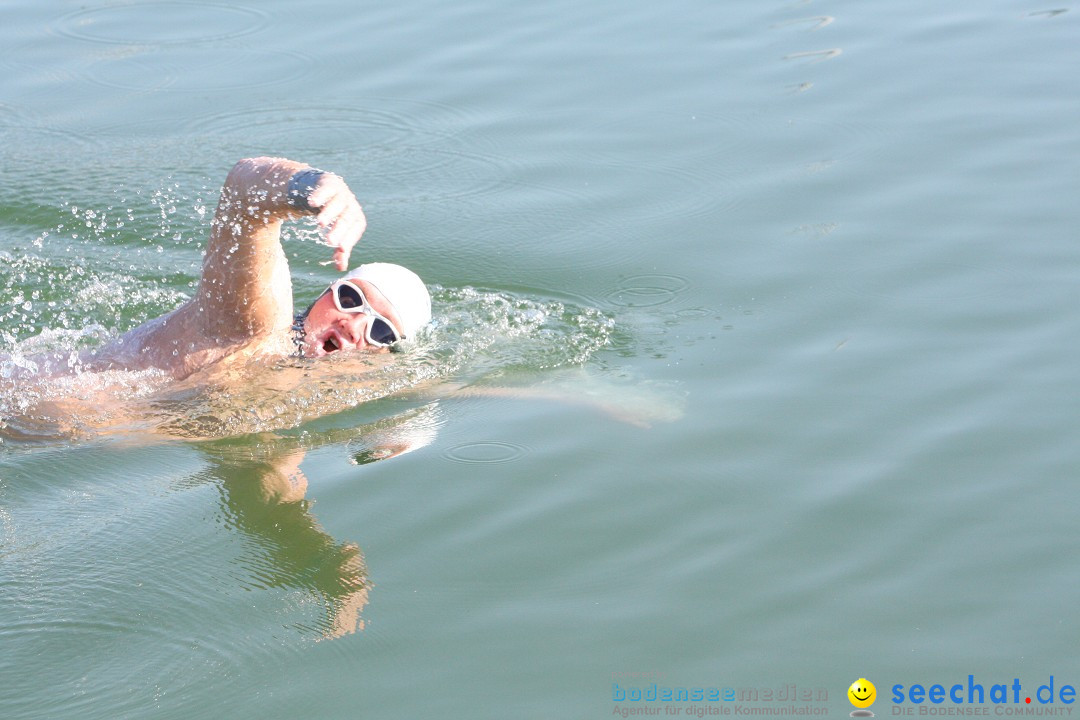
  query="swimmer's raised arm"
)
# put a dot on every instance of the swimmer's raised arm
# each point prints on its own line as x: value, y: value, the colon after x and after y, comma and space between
x: 245, y: 289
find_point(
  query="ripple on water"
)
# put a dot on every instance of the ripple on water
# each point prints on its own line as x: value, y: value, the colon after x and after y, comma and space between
x: 310, y: 131
x: 409, y: 175
x: 23, y: 139
x: 1048, y: 13
x: 161, y: 23
x: 815, y: 55
x: 695, y: 312
x: 192, y: 69
x: 113, y: 579
x: 107, y: 629
x: 660, y: 194
x: 37, y: 65
x: 486, y: 452
x: 807, y: 23
x: 648, y: 290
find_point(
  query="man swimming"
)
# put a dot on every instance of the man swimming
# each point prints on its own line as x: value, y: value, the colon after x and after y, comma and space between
x: 221, y: 364
x: 243, y: 307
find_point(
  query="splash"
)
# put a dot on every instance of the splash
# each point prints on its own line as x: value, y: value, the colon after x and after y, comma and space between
x: 115, y: 265
x: 474, y: 334
x: 99, y: 271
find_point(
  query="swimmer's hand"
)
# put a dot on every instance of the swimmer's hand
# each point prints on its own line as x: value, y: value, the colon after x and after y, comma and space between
x: 245, y: 290
x: 339, y: 215
x: 296, y: 189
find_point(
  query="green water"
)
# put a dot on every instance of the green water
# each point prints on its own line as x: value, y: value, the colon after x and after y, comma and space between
x: 779, y: 299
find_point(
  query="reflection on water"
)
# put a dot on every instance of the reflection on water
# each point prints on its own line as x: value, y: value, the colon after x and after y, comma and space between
x: 403, y: 433
x: 161, y: 23
x: 166, y: 614
x: 263, y: 495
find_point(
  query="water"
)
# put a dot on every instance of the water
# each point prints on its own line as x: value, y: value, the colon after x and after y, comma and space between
x: 787, y: 400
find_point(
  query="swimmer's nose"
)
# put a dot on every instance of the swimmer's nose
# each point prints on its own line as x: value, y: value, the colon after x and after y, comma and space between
x: 354, y: 330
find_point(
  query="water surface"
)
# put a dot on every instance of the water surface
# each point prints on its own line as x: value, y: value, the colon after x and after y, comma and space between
x: 805, y: 413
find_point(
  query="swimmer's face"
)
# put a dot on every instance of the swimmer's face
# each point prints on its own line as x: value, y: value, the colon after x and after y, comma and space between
x: 328, y: 330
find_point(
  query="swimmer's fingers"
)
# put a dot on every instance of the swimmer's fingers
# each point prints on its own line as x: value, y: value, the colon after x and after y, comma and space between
x: 341, y: 259
x: 330, y: 198
x: 333, y: 201
x: 339, y: 214
x: 345, y: 233
x: 331, y: 217
x: 346, y: 228
x: 327, y: 186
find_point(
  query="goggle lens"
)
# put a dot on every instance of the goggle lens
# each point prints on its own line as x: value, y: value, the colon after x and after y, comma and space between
x: 349, y: 297
x: 381, y: 332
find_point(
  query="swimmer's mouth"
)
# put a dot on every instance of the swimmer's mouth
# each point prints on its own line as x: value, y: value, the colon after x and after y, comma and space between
x: 332, y: 344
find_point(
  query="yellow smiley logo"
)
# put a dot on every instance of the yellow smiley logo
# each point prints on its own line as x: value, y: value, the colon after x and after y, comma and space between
x: 862, y: 693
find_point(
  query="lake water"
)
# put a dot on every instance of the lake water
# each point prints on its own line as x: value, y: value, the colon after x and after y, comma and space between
x: 786, y: 293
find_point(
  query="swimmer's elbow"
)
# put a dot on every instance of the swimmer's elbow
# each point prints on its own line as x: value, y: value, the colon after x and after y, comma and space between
x: 261, y: 181
x: 264, y: 167
x: 247, y: 170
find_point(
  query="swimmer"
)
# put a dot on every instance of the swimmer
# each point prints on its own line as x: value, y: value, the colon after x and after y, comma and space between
x: 243, y: 306
x: 218, y: 365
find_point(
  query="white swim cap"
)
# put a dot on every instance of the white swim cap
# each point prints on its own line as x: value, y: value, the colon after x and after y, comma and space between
x: 403, y: 289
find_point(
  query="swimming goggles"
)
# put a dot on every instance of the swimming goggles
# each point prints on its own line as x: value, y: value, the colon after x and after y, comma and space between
x: 349, y: 298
